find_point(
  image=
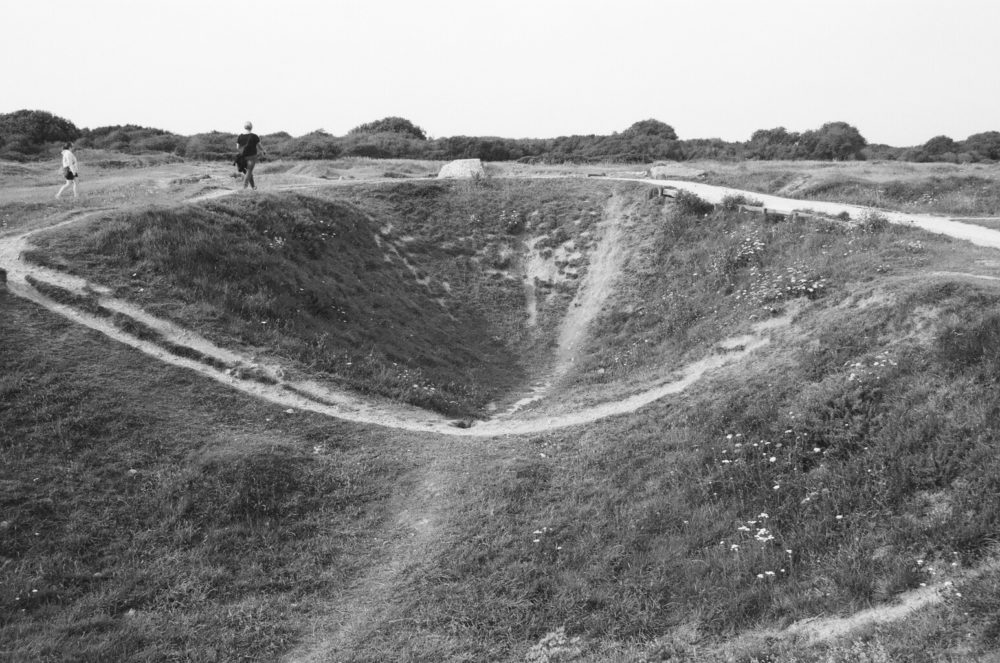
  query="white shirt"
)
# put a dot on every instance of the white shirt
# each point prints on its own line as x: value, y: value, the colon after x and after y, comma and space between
x: 69, y: 160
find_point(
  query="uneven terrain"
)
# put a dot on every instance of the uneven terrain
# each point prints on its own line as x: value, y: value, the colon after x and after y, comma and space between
x: 375, y: 416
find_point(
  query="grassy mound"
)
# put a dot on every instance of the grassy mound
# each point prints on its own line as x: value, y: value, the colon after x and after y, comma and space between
x: 308, y: 280
x: 472, y: 235
x: 414, y: 291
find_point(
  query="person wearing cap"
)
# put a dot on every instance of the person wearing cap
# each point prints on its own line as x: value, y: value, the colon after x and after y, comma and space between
x: 249, y: 145
x: 69, y: 169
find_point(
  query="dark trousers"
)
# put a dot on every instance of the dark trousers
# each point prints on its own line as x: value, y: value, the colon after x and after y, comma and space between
x: 248, y: 177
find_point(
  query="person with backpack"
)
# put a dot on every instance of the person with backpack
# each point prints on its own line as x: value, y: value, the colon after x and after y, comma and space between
x: 248, y: 146
x: 69, y: 169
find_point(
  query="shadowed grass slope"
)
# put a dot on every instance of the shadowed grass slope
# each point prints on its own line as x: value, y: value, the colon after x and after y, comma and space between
x: 472, y: 235
x: 150, y: 514
x: 306, y: 279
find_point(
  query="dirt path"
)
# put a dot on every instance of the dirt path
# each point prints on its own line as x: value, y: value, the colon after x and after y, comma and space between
x: 602, y: 271
x: 978, y: 235
x: 418, y: 534
x: 603, y: 268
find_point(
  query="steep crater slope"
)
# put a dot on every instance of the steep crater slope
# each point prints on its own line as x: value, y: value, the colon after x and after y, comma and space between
x: 516, y: 250
x: 305, y: 280
x: 425, y: 302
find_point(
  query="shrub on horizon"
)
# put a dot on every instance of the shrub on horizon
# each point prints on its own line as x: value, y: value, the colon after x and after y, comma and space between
x: 652, y: 128
x: 391, y: 125
x: 29, y: 133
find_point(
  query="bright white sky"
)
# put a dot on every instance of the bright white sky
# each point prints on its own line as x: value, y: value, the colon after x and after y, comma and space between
x: 901, y: 71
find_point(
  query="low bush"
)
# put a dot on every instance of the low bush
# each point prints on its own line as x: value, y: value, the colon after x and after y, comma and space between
x: 873, y: 222
x: 732, y: 201
x: 690, y: 203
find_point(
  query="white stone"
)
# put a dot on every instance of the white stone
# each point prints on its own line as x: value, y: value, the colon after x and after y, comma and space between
x: 462, y: 169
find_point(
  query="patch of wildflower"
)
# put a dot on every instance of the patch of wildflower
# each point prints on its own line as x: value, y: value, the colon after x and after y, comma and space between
x: 870, y: 369
x: 796, y: 281
x: 761, y: 534
x: 538, y: 534
x: 873, y: 222
x: 741, y: 451
x: 748, y: 251
x: 512, y: 223
x: 756, y: 530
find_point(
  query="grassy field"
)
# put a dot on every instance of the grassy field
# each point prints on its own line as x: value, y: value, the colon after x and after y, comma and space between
x: 150, y: 514
x: 968, y: 190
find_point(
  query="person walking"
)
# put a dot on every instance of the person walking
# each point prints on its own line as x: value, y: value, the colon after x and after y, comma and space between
x: 69, y: 169
x: 249, y: 145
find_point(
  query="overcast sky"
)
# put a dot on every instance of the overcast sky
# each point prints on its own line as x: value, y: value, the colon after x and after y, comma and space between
x: 900, y: 71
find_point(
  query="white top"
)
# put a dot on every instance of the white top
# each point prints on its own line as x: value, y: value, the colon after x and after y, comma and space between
x: 69, y: 159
